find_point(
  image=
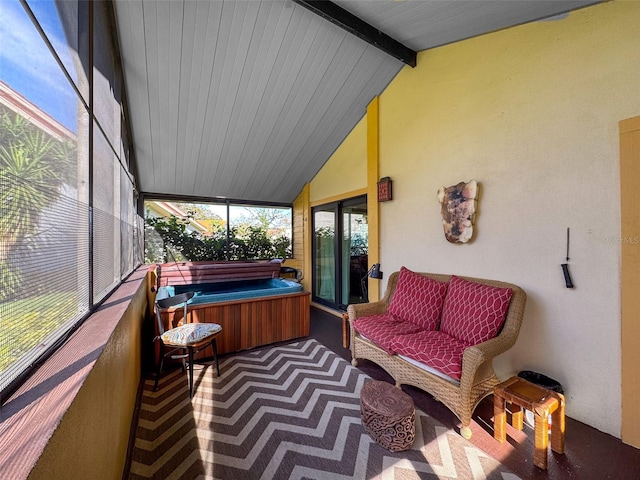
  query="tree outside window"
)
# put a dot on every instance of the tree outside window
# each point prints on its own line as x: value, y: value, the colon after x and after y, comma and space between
x: 202, y: 232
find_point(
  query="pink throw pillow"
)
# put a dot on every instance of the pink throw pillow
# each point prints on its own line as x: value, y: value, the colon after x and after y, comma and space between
x: 473, y: 312
x: 418, y: 299
x: 433, y: 348
x: 381, y: 329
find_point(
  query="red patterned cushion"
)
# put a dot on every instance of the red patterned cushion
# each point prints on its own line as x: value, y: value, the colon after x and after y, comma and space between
x: 433, y: 348
x: 473, y: 312
x: 418, y: 299
x: 381, y: 329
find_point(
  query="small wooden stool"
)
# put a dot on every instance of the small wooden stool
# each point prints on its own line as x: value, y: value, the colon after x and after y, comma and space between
x: 522, y: 394
x: 388, y: 415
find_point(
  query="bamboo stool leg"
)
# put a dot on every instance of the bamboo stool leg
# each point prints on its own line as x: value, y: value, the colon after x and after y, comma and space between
x: 557, y: 429
x: 516, y: 416
x: 499, y: 418
x: 541, y: 441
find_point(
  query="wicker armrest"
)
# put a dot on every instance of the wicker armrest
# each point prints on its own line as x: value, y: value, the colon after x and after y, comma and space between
x: 487, y: 350
x: 472, y: 358
x: 360, y: 310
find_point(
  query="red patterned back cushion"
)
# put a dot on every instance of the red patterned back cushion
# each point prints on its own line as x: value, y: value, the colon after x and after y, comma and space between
x: 472, y: 312
x: 418, y: 299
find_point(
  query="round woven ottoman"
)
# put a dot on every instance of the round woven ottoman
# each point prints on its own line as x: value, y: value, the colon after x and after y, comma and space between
x: 388, y: 415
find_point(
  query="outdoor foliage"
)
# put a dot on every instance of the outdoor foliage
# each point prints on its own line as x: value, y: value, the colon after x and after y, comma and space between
x: 167, y: 240
x: 33, y: 168
x: 43, y: 315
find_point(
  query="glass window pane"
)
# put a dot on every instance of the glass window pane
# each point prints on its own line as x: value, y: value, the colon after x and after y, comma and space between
x: 127, y: 225
x: 106, y: 77
x: 176, y: 231
x: 29, y: 69
x: 65, y: 24
x: 355, y: 248
x: 259, y: 232
x: 340, y: 255
x: 106, y: 224
x: 325, y: 263
x: 43, y: 210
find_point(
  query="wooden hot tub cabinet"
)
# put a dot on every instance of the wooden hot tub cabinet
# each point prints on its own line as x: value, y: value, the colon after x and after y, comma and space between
x: 252, y: 322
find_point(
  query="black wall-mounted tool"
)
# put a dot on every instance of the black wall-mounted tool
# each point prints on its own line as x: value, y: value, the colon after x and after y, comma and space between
x: 565, y: 266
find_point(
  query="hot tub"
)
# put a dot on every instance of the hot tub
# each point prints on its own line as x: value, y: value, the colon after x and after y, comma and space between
x: 233, y: 290
x: 251, y: 313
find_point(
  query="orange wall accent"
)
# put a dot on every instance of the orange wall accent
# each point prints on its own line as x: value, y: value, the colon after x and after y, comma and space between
x: 630, y: 277
x: 373, y: 207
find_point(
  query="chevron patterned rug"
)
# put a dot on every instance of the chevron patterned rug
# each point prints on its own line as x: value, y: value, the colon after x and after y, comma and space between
x: 286, y: 412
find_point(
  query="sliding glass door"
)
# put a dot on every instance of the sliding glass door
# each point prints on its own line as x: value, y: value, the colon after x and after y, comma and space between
x: 340, y: 253
x: 325, y: 265
x: 355, y: 235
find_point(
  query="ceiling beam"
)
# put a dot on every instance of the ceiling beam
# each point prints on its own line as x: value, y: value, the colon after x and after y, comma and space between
x: 361, y: 29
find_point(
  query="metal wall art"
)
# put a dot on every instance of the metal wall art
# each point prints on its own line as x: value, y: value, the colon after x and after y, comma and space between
x: 458, y: 208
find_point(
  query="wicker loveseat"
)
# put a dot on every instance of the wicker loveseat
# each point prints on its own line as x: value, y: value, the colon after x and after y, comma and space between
x: 461, y: 373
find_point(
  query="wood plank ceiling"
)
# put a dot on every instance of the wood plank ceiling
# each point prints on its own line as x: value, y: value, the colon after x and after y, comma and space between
x: 248, y: 99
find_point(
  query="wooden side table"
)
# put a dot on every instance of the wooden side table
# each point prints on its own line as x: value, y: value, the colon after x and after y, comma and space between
x: 522, y: 394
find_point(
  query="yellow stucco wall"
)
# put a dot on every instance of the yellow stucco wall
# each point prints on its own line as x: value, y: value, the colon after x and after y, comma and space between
x: 301, y: 238
x: 532, y: 114
x: 346, y: 169
x: 92, y: 437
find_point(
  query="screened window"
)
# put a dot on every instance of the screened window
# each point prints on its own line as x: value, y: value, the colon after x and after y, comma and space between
x: 178, y: 231
x: 68, y: 229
